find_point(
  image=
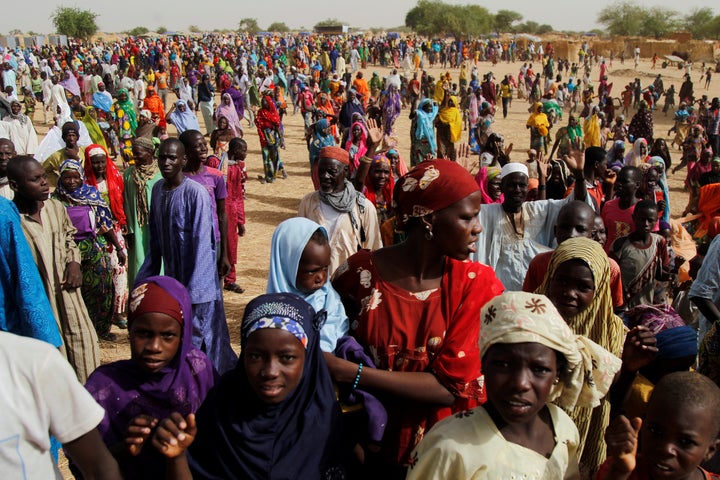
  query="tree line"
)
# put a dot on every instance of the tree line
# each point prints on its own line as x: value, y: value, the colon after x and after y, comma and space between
x: 437, y: 18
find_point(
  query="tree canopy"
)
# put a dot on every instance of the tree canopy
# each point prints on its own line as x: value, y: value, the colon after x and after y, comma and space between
x: 629, y: 18
x: 504, y: 20
x: 137, y: 31
x: 329, y: 22
x: 249, y: 25
x: 434, y: 17
x: 278, y: 27
x: 73, y: 22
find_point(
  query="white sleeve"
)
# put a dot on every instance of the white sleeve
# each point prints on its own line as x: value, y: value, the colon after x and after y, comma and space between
x: 71, y: 411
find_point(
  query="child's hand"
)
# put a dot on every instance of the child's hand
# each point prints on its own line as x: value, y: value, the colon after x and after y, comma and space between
x: 621, y: 437
x: 241, y: 230
x: 175, y: 434
x: 138, y: 432
x: 73, y: 276
x: 639, y: 349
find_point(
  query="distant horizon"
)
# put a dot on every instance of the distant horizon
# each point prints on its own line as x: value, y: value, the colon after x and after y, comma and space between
x: 562, y: 15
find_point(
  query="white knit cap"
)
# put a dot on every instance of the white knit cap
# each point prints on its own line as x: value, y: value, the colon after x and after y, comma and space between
x: 513, y: 167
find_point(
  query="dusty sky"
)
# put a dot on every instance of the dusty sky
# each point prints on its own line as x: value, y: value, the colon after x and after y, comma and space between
x: 179, y: 14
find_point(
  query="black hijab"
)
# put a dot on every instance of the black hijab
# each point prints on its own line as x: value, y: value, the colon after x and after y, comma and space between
x: 241, y: 437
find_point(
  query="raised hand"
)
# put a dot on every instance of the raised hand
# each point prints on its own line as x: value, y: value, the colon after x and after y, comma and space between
x: 640, y: 348
x: 462, y: 156
x: 576, y: 160
x: 375, y: 134
x: 543, y: 165
x: 621, y: 437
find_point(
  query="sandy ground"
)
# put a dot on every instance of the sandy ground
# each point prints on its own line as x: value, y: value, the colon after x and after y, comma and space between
x: 269, y: 204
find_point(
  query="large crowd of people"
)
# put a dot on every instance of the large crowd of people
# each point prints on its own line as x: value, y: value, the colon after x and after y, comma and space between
x: 473, y: 312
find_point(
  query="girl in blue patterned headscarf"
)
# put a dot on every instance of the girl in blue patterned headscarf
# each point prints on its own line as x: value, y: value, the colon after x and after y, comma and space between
x: 239, y: 435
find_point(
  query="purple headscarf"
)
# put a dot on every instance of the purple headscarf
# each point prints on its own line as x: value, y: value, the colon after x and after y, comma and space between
x: 125, y: 390
x: 70, y: 84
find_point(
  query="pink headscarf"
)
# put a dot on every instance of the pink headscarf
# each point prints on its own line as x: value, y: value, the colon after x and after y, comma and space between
x: 362, y: 148
x: 229, y: 112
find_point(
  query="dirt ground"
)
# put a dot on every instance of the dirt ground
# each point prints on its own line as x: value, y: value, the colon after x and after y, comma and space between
x: 269, y: 204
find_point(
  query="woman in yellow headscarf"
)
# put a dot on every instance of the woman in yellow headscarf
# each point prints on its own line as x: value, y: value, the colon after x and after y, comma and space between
x: 449, y: 128
x: 90, y: 121
x: 576, y: 263
x: 591, y: 129
x: 539, y: 126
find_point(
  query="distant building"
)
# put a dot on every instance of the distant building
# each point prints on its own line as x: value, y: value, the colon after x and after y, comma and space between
x: 333, y: 29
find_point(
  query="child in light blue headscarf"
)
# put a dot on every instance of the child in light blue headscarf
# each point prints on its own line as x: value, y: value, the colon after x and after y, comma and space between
x: 299, y: 261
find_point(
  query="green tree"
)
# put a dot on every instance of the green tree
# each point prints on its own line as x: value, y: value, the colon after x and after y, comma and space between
x: 194, y: 29
x: 162, y: 30
x: 544, y: 28
x: 434, y: 17
x: 249, y: 25
x: 659, y: 21
x: 504, y: 20
x: 278, y: 27
x: 330, y: 22
x: 622, y: 18
x: 73, y: 22
x: 15, y: 31
x: 137, y: 31
x: 699, y: 22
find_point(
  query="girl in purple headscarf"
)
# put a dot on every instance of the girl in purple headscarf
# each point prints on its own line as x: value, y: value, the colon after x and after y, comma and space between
x: 164, y: 374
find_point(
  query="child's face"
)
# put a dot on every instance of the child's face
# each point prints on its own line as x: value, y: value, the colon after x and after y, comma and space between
x: 519, y: 377
x: 171, y: 160
x: 239, y: 152
x: 313, y: 267
x: 197, y: 148
x: 154, y: 340
x: 32, y: 183
x: 675, y: 439
x: 645, y: 219
x: 274, y: 360
x: 572, y: 288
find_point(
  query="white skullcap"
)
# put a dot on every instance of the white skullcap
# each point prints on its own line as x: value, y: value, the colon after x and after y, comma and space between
x: 513, y: 167
x: 96, y: 151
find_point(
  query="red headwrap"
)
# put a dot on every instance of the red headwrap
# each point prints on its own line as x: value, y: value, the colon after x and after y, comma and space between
x: 115, y: 184
x: 431, y: 186
x: 335, y: 153
x: 152, y: 298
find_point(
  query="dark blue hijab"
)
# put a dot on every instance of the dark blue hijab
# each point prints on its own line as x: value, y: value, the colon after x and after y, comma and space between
x: 240, y: 437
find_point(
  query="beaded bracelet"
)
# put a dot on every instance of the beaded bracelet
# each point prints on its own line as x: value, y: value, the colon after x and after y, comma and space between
x: 357, y: 377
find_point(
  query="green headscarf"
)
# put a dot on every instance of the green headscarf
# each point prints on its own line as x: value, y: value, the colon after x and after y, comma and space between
x: 96, y: 134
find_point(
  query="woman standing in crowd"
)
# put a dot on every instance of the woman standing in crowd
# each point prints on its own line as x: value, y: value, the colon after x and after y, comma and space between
x: 422, y: 131
x: 206, y: 103
x: 182, y: 117
x: 101, y: 173
x: 93, y: 220
x: 125, y: 122
x: 139, y: 180
x: 267, y: 122
x: 427, y: 367
x: 449, y: 127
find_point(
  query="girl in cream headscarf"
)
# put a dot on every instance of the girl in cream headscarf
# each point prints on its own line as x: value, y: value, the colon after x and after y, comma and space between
x: 530, y: 357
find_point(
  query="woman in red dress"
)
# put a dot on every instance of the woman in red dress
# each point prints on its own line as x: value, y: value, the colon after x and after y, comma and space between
x: 415, y: 309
